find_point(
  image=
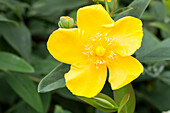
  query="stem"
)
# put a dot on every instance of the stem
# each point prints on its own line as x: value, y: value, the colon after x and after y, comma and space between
x: 106, y: 5
x: 113, y: 7
x: 35, y: 79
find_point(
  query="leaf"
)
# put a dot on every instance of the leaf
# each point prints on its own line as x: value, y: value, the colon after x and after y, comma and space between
x: 21, y: 107
x: 165, y: 77
x: 158, y: 53
x: 54, y: 80
x: 158, y: 10
x: 26, y: 89
x: 7, y: 95
x: 161, y: 26
x: 43, y: 66
x: 59, y: 109
x: 158, y: 96
x: 98, y: 111
x: 148, y: 42
x: 138, y: 6
x: 123, y: 102
x: 46, y: 100
x: 121, y: 11
x: 50, y: 7
x: 64, y: 92
x: 4, y: 19
x: 102, y: 102
x: 129, y: 107
x: 12, y: 62
x: 18, y: 37
x: 167, y: 4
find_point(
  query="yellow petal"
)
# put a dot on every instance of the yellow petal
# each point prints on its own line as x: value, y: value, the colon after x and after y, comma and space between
x: 107, y: 0
x: 92, y: 18
x: 64, y: 45
x: 124, y: 70
x: 86, y: 80
x: 127, y: 34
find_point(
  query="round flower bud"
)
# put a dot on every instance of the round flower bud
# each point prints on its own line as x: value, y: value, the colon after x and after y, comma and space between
x: 66, y: 22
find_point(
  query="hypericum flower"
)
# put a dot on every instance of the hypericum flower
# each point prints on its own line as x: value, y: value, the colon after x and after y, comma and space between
x: 97, y: 44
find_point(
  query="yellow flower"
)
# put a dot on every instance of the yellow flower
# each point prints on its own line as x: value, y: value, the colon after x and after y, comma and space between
x: 97, y: 44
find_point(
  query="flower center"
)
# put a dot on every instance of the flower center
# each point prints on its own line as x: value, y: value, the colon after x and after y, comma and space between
x: 100, y: 51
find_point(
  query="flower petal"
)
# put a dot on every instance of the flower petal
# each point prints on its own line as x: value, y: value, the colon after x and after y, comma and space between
x: 92, y: 18
x: 86, y: 80
x: 64, y: 45
x: 124, y: 70
x: 127, y: 33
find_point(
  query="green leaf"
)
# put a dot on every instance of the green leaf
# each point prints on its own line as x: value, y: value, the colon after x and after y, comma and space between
x: 123, y: 102
x: 161, y: 26
x: 43, y: 66
x: 12, y: 62
x: 50, y: 7
x: 59, y: 109
x: 102, y: 102
x: 98, y: 111
x: 21, y: 107
x: 167, y: 4
x: 148, y: 42
x: 64, y: 92
x: 4, y: 19
x: 121, y: 11
x: 158, y: 53
x: 26, y: 89
x: 18, y: 37
x: 54, y: 80
x: 158, y: 96
x: 138, y: 6
x: 158, y: 10
x: 165, y: 77
x: 7, y: 95
x: 46, y: 100
x: 129, y: 107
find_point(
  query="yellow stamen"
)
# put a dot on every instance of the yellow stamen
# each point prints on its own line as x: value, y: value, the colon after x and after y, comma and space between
x: 100, y: 51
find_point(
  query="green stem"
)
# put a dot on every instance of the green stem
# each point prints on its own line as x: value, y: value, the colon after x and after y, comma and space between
x: 113, y: 8
x: 107, y: 7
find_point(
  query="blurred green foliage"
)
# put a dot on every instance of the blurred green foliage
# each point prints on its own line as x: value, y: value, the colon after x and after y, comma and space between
x: 24, y: 60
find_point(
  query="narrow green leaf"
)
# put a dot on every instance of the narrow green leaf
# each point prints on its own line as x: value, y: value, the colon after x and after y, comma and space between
x: 148, y: 42
x: 158, y: 96
x: 26, y: 89
x: 123, y: 102
x: 21, y: 107
x: 50, y: 7
x: 43, y: 66
x: 18, y: 37
x: 46, y: 100
x: 167, y: 4
x: 54, y: 80
x: 138, y: 6
x: 12, y: 62
x: 129, y: 107
x: 121, y: 11
x: 59, y: 109
x: 4, y: 19
x: 158, y: 53
x: 98, y: 111
x: 158, y: 10
x: 165, y: 77
x: 161, y: 26
x: 102, y: 102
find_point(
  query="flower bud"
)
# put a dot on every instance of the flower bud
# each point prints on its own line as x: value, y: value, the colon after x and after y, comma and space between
x: 66, y: 22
